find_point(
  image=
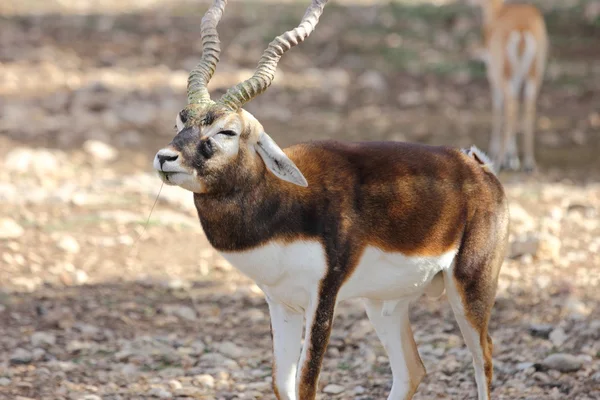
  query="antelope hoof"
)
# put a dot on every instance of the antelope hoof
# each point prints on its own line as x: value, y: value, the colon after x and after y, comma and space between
x: 512, y: 163
x: 529, y: 168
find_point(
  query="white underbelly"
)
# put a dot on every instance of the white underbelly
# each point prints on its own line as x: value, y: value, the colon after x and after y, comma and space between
x: 291, y: 273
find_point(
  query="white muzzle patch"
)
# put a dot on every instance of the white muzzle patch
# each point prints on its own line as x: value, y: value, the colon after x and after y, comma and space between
x: 167, y: 164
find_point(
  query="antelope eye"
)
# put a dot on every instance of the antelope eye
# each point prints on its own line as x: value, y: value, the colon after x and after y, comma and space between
x: 227, y: 133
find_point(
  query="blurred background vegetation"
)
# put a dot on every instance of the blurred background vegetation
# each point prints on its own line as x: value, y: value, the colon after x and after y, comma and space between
x: 98, y: 300
x: 373, y: 70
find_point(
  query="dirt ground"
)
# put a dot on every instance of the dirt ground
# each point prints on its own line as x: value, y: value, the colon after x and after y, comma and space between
x: 99, y: 302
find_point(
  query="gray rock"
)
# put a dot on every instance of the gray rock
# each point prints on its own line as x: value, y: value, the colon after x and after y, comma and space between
x: 129, y: 369
x: 4, y: 381
x: 183, y: 312
x: 524, y: 245
x: 359, y: 390
x: 232, y: 350
x: 333, y: 389
x: 38, y: 354
x: 21, y: 356
x: 373, y: 80
x: 562, y: 362
x: 9, y: 229
x: 161, y: 393
x: 540, y: 330
x: 524, y: 365
x: 411, y: 98
x: 558, y: 337
x: 43, y: 339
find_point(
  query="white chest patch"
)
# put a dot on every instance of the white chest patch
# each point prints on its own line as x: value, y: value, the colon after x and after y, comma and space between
x: 290, y: 273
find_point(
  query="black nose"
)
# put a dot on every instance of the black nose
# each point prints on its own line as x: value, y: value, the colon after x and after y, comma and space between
x: 163, y: 158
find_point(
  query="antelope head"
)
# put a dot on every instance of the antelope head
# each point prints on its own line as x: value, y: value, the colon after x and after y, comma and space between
x: 219, y: 145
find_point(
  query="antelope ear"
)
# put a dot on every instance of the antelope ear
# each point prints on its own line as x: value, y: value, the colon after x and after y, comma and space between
x: 277, y: 162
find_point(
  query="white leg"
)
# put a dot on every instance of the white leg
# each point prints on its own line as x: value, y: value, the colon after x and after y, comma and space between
x: 396, y: 336
x: 531, y: 92
x: 497, y: 99
x: 286, y: 329
x: 510, y: 109
x: 309, y: 318
x: 473, y: 338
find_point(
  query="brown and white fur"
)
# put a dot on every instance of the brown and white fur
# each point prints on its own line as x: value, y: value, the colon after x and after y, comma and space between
x: 327, y: 221
x: 516, y: 47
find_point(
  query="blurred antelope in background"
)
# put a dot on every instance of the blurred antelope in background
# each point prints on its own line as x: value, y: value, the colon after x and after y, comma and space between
x: 326, y: 221
x: 516, y: 46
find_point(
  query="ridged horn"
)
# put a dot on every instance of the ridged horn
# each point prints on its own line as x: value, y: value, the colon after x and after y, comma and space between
x: 197, y: 91
x: 243, y: 92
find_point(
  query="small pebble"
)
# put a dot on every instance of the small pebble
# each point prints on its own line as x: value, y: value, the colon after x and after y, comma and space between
x: 333, y: 389
x: 562, y: 362
x: 21, y: 356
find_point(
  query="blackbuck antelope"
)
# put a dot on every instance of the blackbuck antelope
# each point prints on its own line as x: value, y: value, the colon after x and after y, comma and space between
x: 326, y: 221
x: 516, y: 47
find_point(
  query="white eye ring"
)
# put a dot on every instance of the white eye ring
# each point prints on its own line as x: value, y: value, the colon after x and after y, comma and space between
x: 180, y: 125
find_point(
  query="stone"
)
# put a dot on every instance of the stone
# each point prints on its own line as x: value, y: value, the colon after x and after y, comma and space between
x: 8, y: 193
x: 361, y: 330
x: 524, y: 365
x: 90, y: 397
x: 43, y: 339
x: 524, y: 245
x: 558, y: 337
x: 576, y: 308
x: 231, y: 350
x: 175, y: 384
x: 333, y: 389
x: 161, y: 393
x: 359, y: 390
x: 520, y: 219
x: 21, y: 356
x: 562, y: 362
x: 204, y: 380
x: 4, y: 381
x: 68, y: 244
x: 24, y: 160
x: 373, y: 81
x: 81, y: 277
x: 9, y: 229
x: 38, y: 354
x: 540, y: 330
x: 549, y: 247
x: 129, y: 369
x: 411, y: 98
x: 100, y: 151
x: 183, y: 312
